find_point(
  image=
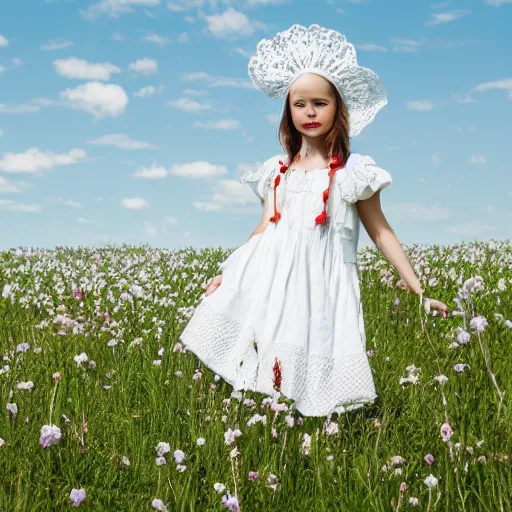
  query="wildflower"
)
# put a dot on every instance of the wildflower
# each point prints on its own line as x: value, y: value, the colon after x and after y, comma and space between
x: 50, y: 434
x: 160, y: 461
x: 22, y: 347
x: 112, y: 343
x: 398, y: 471
x: 278, y: 407
x: 26, y: 386
x: 77, y: 496
x: 2, y: 442
x: 230, y: 502
x: 197, y: 374
x: 253, y: 475
x: 157, y: 362
x: 12, y: 408
x: 179, y: 456
x: 273, y: 482
x: 162, y: 448
x: 460, y: 367
x: 397, y: 459
x: 478, y: 323
x: 125, y: 461
x: 181, y: 468
x: 331, y: 428
x: 403, y: 487
x: 431, y: 481
x: 257, y: 418
x: 219, y: 488
x: 200, y: 441
x: 306, y: 444
x: 429, y: 459
x: 446, y: 432
x: 230, y: 436
x: 179, y: 347
x: 57, y: 376
x: 442, y: 379
x: 234, y: 452
x: 81, y: 358
x: 463, y: 336
x: 289, y: 420
x: 414, y: 501
x: 159, y: 505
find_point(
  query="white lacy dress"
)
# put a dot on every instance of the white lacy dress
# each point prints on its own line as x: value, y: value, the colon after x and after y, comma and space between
x: 292, y: 293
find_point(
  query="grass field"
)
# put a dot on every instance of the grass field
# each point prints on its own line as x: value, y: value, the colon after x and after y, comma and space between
x: 98, y: 396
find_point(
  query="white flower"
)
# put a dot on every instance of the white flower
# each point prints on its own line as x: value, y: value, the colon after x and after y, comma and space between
x: 478, y: 323
x: 442, y: 379
x: 81, y: 358
x: 256, y: 418
x: 181, y: 468
x: 219, y: 488
x: 397, y: 459
x: 200, y: 441
x: 306, y: 444
x: 230, y: 436
x: 179, y: 456
x: 22, y: 347
x: 331, y: 428
x: 12, y: 408
x: 460, y: 367
x: 125, y: 461
x: 463, y: 336
x: 162, y: 448
x: 160, y: 461
x: 50, y: 435
x: 430, y: 481
x: 26, y: 386
x: 414, y: 501
x: 159, y: 505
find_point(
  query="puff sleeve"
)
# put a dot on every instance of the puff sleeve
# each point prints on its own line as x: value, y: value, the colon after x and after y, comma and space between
x: 257, y: 179
x: 363, y: 179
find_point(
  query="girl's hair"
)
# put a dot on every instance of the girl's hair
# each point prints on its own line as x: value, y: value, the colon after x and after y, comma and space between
x: 337, y: 141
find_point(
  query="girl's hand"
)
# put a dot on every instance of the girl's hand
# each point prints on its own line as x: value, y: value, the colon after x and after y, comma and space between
x: 212, y: 284
x: 431, y: 304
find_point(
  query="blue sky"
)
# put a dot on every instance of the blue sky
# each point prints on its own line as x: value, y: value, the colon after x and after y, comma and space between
x: 132, y: 120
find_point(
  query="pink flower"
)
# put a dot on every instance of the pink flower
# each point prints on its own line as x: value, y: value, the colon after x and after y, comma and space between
x: 253, y: 475
x: 446, y: 432
x: 429, y: 459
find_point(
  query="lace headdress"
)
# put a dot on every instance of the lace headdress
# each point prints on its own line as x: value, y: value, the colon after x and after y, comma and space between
x: 289, y: 54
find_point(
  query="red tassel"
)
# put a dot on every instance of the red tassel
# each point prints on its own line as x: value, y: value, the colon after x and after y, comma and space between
x: 321, y: 218
x: 334, y: 165
x: 277, y: 375
x: 277, y: 180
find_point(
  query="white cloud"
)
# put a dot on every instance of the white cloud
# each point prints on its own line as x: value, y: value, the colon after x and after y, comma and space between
x: 188, y: 105
x: 497, y: 3
x: 17, y: 62
x: 231, y: 23
x: 478, y: 159
x: 155, y: 172
x: 80, y: 68
x: 148, y: 91
x: 446, y: 17
x: 117, y: 36
x: 8, y: 187
x: 114, y: 8
x: 406, y: 45
x: 420, y: 105
x: 183, y: 38
x: 134, y: 203
x: 100, y: 100
x: 223, y: 124
x: 463, y: 99
x: 144, y: 66
x: 504, y: 84
x: 227, y: 193
x: 1, y: 133
x: 216, y: 81
x: 19, y: 109
x: 7, y: 204
x: 370, y: 47
x: 436, y: 159
x: 34, y: 160
x: 198, y: 170
x: 81, y: 220
x: 3, y: 41
x: 121, y: 141
x: 169, y: 221
x: 56, y: 44
x: 66, y: 202
x: 475, y: 228
x: 156, y: 39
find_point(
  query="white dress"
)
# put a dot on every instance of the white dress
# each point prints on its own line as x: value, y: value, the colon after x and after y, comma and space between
x: 292, y: 293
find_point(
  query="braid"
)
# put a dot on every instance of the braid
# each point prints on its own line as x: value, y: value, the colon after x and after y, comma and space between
x: 277, y: 180
x: 334, y: 166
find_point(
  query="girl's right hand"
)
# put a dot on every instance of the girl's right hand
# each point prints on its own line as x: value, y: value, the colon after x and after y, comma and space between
x: 212, y: 284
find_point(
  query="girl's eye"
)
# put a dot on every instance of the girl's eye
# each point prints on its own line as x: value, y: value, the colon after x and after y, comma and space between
x: 319, y: 103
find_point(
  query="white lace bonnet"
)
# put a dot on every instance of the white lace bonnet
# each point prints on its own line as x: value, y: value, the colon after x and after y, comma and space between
x: 289, y: 54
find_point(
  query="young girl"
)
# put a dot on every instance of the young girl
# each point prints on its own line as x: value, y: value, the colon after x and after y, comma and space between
x: 285, y: 314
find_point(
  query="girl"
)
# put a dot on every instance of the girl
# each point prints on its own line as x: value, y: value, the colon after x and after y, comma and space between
x: 285, y: 314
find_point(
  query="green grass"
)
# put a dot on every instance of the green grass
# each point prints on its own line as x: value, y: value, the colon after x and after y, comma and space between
x: 148, y: 404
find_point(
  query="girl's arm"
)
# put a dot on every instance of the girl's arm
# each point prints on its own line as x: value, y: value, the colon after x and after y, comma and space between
x: 375, y: 223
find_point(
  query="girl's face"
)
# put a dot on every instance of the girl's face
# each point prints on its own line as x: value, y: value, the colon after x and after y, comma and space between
x: 311, y: 101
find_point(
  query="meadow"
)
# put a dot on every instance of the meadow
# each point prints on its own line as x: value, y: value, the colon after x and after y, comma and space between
x: 103, y: 409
